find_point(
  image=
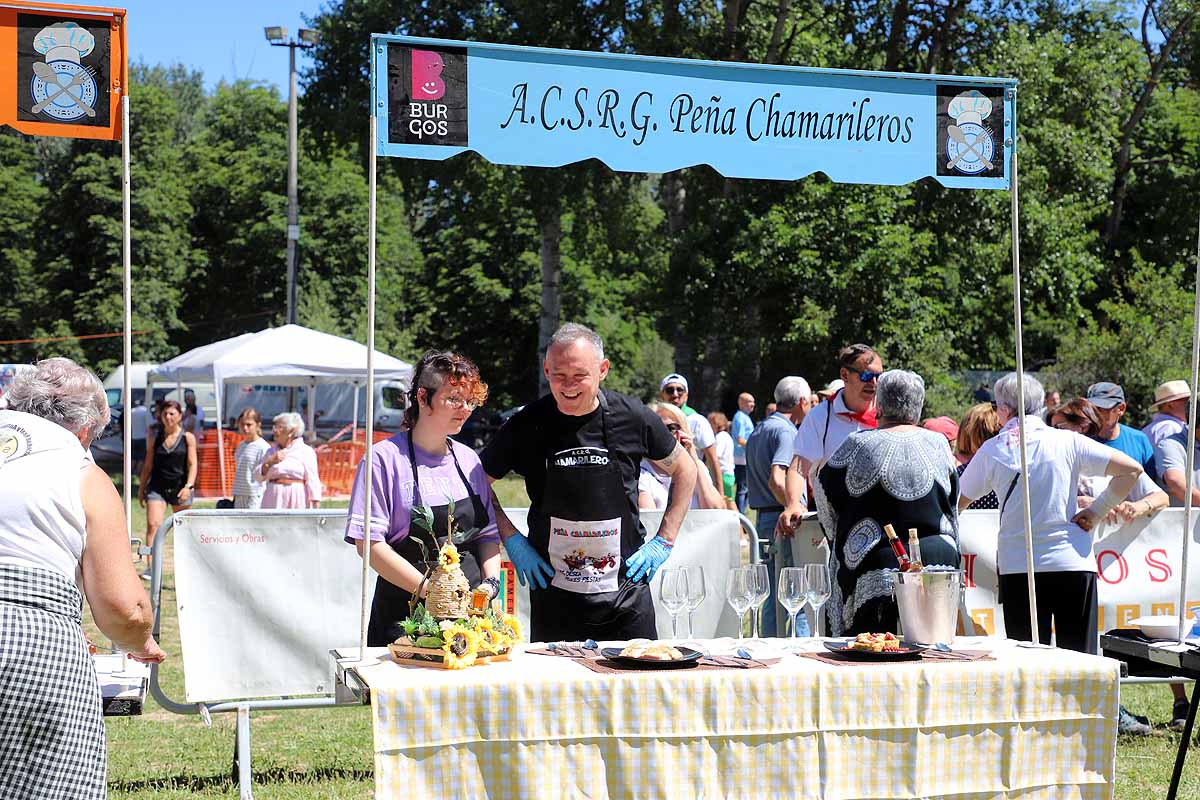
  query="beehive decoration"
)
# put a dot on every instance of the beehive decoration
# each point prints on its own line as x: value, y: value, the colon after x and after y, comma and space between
x: 449, y: 595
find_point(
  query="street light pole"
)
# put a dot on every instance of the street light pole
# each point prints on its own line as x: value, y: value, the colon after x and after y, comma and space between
x: 278, y: 37
x: 293, y: 205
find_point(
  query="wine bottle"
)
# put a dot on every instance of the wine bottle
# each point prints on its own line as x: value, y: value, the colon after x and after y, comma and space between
x: 906, y: 564
x: 914, y: 547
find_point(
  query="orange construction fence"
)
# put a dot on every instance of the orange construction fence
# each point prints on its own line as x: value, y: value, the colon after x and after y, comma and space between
x: 336, y: 463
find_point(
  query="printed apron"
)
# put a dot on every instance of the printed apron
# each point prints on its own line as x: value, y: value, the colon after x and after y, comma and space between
x: 587, y: 529
x: 390, y: 605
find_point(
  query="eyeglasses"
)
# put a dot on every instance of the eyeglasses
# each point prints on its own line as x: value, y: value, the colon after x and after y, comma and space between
x: 458, y: 404
x: 674, y: 427
x: 674, y: 389
x: 866, y: 376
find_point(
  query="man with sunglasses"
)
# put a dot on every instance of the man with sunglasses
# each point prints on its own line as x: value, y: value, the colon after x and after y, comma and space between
x: 674, y: 390
x: 824, y: 429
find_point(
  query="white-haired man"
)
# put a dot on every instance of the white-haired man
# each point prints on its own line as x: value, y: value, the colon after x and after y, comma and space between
x: 768, y: 455
x: 579, y: 449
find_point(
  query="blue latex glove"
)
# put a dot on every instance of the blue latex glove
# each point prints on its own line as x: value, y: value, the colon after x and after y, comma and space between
x: 531, y: 568
x: 648, y: 558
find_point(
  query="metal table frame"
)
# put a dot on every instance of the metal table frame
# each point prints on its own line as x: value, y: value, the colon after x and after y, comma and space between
x: 1181, y: 659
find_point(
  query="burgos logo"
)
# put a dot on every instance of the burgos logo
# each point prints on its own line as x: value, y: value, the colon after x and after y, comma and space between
x: 427, y: 95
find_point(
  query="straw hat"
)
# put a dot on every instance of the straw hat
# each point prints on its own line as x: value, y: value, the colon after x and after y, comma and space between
x: 1171, y: 390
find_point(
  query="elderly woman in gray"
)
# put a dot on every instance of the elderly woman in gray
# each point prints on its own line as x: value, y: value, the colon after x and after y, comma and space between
x: 62, y: 532
x: 899, y: 474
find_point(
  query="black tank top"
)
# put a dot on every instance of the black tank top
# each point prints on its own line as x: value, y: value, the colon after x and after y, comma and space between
x: 170, y: 465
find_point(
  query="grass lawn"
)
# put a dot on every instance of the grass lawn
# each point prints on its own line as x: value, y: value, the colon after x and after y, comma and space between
x: 326, y: 753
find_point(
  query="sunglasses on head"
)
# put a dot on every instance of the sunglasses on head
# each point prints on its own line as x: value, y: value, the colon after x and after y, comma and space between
x: 674, y: 389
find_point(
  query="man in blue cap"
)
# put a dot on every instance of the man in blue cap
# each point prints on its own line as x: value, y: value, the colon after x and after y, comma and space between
x: 1109, y: 401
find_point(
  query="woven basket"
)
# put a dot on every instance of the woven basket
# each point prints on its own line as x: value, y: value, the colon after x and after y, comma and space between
x: 449, y: 594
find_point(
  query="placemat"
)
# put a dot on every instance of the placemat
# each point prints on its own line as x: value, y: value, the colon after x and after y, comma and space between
x: 928, y: 657
x: 565, y: 652
x: 605, y: 666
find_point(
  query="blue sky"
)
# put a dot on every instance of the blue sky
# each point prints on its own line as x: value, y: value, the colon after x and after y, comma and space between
x: 221, y: 38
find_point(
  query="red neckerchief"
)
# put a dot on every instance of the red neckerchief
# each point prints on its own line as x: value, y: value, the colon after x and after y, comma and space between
x: 867, y: 419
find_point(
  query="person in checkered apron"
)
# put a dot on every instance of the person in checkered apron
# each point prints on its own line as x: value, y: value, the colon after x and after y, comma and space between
x: 62, y: 538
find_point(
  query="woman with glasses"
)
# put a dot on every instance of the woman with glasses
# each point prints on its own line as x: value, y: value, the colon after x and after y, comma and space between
x: 290, y: 467
x: 901, y: 475
x: 654, y: 484
x: 423, y: 470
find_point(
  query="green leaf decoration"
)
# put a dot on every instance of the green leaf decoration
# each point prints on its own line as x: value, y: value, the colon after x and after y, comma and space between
x: 410, y: 628
x: 422, y: 517
x: 429, y: 641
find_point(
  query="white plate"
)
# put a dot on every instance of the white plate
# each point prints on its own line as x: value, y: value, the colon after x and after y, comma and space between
x: 1162, y: 626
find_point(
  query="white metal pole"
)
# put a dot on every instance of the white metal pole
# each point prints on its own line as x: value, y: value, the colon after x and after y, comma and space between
x: 370, y: 421
x: 127, y: 333
x: 354, y: 417
x: 1191, y: 447
x: 220, y: 440
x: 312, y: 411
x: 1016, y: 260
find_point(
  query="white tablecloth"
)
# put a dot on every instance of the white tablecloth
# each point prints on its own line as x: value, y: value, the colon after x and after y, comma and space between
x: 1030, y: 724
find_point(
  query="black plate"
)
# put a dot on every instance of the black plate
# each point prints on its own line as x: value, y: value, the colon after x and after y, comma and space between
x: 690, y: 658
x: 907, y: 651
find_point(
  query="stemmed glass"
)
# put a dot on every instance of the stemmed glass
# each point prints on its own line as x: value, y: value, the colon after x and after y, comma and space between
x: 762, y: 590
x: 816, y: 579
x: 793, y: 592
x: 674, y: 594
x: 695, y: 592
x: 739, y: 593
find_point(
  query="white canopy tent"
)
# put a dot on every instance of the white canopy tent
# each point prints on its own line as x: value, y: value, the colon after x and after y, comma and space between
x: 290, y: 355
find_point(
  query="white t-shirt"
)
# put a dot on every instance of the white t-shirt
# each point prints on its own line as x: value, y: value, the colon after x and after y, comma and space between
x: 814, y: 442
x: 658, y: 485
x: 1056, y: 460
x: 1094, y: 485
x: 246, y: 483
x: 702, y: 433
x: 725, y: 452
x: 42, y: 522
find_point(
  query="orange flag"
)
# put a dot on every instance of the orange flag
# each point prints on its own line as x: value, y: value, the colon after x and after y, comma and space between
x: 63, y: 69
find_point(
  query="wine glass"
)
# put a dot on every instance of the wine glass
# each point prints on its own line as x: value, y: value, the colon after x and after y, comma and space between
x: 739, y: 593
x: 793, y: 592
x: 762, y: 590
x: 816, y: 579
x: 673, y: 591
x: 695, y: 592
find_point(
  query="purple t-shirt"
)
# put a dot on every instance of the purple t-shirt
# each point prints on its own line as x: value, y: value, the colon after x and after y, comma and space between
x: 394, y: 489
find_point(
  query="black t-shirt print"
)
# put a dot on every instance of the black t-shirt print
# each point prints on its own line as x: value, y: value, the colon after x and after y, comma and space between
x: 540, y: 431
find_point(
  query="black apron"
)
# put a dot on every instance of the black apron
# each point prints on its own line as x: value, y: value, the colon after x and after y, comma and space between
x: 584, y: 507
x: 390, y: 605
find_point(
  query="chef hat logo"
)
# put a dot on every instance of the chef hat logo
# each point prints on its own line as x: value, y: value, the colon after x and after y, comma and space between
x: 64, y: 41
x: 970, y: 106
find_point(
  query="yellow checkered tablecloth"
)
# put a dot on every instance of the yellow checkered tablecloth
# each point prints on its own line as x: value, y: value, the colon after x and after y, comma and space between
x: 1030, y: 724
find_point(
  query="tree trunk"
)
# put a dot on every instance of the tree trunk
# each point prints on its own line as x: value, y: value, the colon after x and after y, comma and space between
x: 785, y: 7
x: 549, y: 222
x: 897, y: 35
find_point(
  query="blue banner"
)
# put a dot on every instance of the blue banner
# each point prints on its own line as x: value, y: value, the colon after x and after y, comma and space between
x: 545, y: 108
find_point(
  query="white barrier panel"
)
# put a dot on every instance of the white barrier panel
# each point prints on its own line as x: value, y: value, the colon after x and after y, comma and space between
x: 709, y: 538
x: 263, y: 597
x: 1140, y: 564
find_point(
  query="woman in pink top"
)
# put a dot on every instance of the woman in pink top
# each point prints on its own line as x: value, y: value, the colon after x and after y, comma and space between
x: 290, y: 467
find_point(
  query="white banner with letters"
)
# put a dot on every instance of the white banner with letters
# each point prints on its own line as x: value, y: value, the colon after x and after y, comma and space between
x: 1140, y: 568
x: 263, y: 596
x: 708, y: 538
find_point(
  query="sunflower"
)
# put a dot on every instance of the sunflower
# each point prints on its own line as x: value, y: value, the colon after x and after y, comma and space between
x: 514, y: 626
x: 490, y: 639
x: 448, y: 556
x: 462, y: 645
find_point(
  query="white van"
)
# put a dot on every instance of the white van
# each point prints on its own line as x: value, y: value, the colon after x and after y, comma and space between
x: 206, y: 396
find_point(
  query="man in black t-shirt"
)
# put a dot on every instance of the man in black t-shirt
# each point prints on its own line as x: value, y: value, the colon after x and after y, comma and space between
x: 580, y: 449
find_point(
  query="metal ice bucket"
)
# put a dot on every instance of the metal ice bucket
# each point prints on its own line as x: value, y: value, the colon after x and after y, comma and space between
x: 928, y: 602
